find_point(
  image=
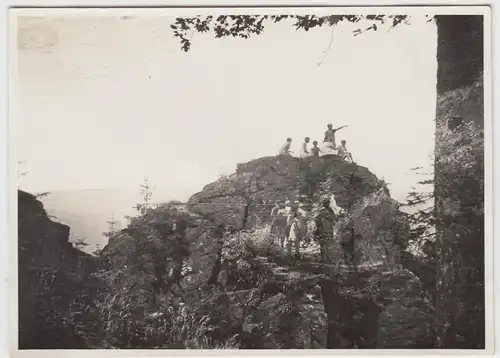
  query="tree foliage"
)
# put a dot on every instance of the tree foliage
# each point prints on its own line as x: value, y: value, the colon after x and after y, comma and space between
x: 146, y: 191
x: 80, y: 243
x: 422, y: 219
x: 460, y: 193
x: 143, y: 271
x: 245, y: 26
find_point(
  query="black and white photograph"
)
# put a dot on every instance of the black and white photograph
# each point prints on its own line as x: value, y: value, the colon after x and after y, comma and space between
x: 251, y: 178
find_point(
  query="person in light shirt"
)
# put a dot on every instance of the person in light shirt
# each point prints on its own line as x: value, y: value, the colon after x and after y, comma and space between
x: 304, y: 152
x: 293, y: 236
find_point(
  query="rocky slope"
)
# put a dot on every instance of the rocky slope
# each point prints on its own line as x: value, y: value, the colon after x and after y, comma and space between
x: 50, y: 272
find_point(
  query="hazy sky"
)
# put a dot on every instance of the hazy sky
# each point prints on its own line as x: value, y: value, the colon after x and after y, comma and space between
x: 105, y: 102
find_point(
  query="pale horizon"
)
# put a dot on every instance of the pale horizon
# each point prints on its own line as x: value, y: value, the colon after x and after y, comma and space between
x: 103, y: 103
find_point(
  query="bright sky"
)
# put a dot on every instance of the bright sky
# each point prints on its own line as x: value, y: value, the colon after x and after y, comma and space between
x: 103, y: 103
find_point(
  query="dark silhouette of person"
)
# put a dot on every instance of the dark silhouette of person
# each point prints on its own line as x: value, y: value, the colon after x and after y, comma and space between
x: 347, y: 244
x: 325, y: 222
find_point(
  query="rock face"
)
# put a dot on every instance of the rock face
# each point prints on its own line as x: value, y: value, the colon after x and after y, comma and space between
x: 158, y: 244
x: 49, y: 272
x: 368, y: 297
x: 272, y: 180
x: 42, y: 241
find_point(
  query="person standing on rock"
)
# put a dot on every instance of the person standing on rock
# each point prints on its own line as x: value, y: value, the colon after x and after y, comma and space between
x: 302, y: 223
x: 288, y: 207
x: 325, y: 223
x: 293, y: 239
x: 285, y: 149
x: 274, y: 212
x: 278, y: 223
x: 330, y: 135
x: 290, y: 212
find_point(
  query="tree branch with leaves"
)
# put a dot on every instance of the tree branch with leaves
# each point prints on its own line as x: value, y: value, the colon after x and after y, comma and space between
x: 244, y: 26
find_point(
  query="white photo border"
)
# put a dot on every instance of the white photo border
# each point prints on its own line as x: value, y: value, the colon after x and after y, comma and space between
x: 7, y: 129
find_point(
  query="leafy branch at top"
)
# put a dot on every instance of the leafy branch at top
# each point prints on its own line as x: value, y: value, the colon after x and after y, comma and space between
x: 244, y: 26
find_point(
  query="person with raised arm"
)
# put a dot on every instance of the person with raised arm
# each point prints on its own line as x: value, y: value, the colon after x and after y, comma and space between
x: 330, y: 135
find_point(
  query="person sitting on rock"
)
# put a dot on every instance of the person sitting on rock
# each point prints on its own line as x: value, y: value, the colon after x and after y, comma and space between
x: 315, y: 150
x: 304, y: 153
x: 285, y: 149
x: 343, y: 153
x: 330, y: 135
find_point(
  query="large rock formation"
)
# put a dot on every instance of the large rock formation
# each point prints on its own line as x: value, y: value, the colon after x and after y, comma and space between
x: 50, y: 273
x: 370, y: 298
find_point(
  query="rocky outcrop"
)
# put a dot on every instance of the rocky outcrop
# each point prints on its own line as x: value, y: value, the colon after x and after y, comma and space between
x: 368, y: 296
x: 50, y: 272
x: 270, y: 180
x: 42, y: 241
x: 240, y: 283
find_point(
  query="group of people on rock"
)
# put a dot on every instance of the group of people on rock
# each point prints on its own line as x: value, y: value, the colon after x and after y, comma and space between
x: 290, y: 223
x: 290, y: 226
x: 329, y: 146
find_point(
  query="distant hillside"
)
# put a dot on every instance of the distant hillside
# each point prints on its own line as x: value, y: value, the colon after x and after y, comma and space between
x: 86, y: 212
